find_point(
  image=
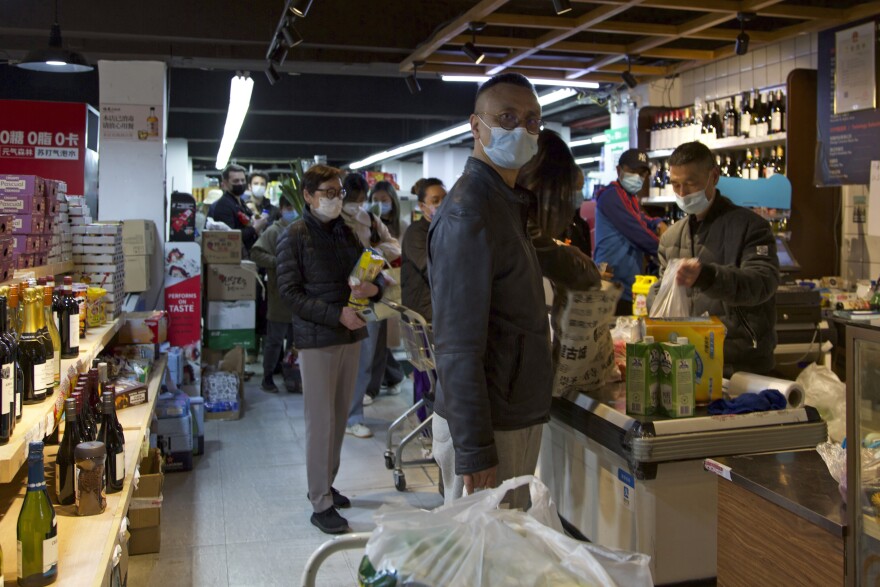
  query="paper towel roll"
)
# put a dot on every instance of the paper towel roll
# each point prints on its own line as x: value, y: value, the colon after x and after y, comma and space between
x: 742, y: 383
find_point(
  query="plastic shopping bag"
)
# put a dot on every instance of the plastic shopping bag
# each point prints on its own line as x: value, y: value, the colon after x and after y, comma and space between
x: 472, y: 542
x: 672, y: 300
x: 583, y: 352
x: 827, y: 393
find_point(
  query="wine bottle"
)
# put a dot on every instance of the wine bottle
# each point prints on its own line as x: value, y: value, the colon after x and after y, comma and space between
x: 57, y: 306
x: 780, y: 160
x: 7, y: 381
x: 54, y: 335
x: 717, y: 122
x: 81, y: 424
x: 43, y: 331
x: 15, y: 310
x: 32, y: 352
x: 89, y: 413
x: 65, y: 463
x: 763, y: 118
x: 745, y: 119
x: 12, y: 337
x: 780, y: 101
x: 37, y: 528
x: 69, y: 318
x: 729, y: 120
x: 657, y: 183
x: 110, y: 435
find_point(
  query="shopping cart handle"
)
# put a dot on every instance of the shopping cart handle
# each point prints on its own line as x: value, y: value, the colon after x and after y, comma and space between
x: 337, y: 544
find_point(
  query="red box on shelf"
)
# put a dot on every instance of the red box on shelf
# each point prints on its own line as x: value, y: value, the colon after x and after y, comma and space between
x: 24, y: 260
x: 19, y: 186
x: 24, y: 243
x: 29, y: 224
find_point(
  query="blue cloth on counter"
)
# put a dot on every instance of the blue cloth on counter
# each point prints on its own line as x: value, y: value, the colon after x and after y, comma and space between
x: 767, y: 400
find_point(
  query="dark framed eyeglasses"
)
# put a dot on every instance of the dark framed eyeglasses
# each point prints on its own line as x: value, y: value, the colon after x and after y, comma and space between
x: 509, y: 121
x: 332, y: 193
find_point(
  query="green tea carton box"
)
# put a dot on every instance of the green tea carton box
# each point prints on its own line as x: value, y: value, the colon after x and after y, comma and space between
x: 677, y: 386
x: 642, y: 377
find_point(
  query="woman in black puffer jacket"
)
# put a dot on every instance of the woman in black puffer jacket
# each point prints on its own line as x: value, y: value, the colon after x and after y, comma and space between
x: 315, y: 257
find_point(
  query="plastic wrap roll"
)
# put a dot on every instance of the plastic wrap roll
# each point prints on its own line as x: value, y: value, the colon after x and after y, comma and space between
x: 742, y: 383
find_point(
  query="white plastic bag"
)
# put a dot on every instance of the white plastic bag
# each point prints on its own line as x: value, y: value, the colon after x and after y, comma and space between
x: 827, y: 393
x: 471, y: 542
x: 672, y: 300
x: 583, y: 353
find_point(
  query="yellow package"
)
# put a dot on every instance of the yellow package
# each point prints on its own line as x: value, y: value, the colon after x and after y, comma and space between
x: 367, y: 269
x: 707, y: 336
x: 95, y: 302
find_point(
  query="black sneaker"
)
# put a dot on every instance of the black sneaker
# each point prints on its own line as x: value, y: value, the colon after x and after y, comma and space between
x: 268, y: 385
x: 339, y: 500
x: 330, y: 522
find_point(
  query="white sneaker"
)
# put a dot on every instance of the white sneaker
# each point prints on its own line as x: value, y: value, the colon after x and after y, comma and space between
x: 393, y: 389
x: 359, y: 431
x: 368, y: 400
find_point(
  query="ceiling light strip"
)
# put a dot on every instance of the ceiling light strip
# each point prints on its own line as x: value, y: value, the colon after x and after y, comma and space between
x: 240, y: 92
x: 445, y: 135
x: 561, y: 83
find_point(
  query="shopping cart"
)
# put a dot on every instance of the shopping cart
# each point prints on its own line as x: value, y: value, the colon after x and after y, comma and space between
x: 416, y: 335
x: 356, y: 541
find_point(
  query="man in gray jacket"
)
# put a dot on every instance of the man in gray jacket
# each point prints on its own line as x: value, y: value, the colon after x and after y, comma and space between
x: 491, y: 334
x: 730, y: 260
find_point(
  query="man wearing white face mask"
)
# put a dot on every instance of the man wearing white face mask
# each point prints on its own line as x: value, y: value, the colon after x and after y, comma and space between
x: 259, y: 203
x: 730, y: 260
x: 491, y: 333
x: 625, y: 235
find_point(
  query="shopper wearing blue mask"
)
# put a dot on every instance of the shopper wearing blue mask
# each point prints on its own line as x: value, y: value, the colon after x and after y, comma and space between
x: 491, y: 332
x: 625, y: 235
x: 385, y: 203
x: 279, y: 315
x: 730, y: 260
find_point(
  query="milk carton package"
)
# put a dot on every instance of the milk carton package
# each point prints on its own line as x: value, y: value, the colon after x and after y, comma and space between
x: 642, y: 377
x: 677, y: 387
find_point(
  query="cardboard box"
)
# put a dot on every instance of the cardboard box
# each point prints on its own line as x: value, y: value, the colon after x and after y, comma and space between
x: 6, y: 221
x: 221, y: 246
x: 23, y: 205
x: 707, y: 336
x: 231, y: 282
x: 28, y: 223
x: 146, y: 352
x: 24, y: 243
x: 22, y: 185
x: 138, y: 270
x: 24, y: 260
x: 138, y: 237
x: 237, y: 315
x: 145, y: 540
x: 130, y: 393
x: 143, y: 327
x: 222, y: 340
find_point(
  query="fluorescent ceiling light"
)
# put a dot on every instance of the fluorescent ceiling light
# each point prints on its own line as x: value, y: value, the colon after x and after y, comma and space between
x: 239, y: 100
x: 587, y: 160
x: 593, y: 140
x: 538, y: 81
x: 445, y: 135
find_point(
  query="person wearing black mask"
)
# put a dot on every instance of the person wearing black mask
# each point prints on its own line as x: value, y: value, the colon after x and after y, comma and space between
x: 230, y: 210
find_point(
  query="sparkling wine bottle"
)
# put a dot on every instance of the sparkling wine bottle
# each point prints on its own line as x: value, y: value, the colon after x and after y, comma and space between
x: 7, y: 379
x: 69, y: 318
x: 54, y: 335
x: 110, y: 435
x: 43, y: 331
x: 64, y: 461
x: 37, y: 528
x: 32, y: 352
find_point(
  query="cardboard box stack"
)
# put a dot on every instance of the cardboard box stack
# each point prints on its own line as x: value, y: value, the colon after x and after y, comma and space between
x: 230, y: 287
x: 138, y: 243
x: 61, y: 245
x: 98, y: 259
x: 145, y: 510
x: 26, y: 237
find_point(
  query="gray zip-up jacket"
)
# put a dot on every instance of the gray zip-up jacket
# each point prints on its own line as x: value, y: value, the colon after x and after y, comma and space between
x: 738, y: 282
x: 491, y: 333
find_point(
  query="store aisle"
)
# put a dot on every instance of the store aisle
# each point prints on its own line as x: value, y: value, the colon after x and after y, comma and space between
x: 241, y: 517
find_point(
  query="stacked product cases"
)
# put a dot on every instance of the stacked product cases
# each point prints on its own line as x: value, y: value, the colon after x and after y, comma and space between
x: 61, y: 243
x: 32, y: 202
x: 98, y: 260
x: 138, y: 243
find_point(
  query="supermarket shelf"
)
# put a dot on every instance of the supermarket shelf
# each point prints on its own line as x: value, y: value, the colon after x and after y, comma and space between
x: 138, y: 417
x: 85, y: 544
x: 730, y: 144
x: 44, y: 270
x: 37, y: 420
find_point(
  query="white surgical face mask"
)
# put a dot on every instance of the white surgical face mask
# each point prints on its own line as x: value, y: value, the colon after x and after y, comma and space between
x: 328, y: 209
x: 631, y: 182
x: 510, y: 149
x: 384, y: 208
x: 695, y: 203
x: 352, y: 208
x: 259, y: 190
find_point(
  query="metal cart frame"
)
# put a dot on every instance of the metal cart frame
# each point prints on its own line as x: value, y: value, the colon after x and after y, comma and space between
x: 417, y: 342
x: 355, y: 541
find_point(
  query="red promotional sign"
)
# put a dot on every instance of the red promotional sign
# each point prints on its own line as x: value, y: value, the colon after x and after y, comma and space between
x: 46, y: 139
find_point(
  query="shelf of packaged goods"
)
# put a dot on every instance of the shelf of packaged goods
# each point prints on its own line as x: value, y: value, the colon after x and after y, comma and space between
x: 138, y: 417
x: 85, y: 544
x: 871, y: 526
x: 43, y: 270
x: 39, y: 419
x: 730, y: 144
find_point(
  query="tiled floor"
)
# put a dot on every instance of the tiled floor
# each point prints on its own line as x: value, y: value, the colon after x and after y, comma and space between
x: 241, y: 517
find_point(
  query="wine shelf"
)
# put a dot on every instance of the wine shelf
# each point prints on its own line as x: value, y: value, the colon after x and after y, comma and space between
x: 43, y: 271
x: 85, y: 544
x: 39, y: 419
x: 731, y: 144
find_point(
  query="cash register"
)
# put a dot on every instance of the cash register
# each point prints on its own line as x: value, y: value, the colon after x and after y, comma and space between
x: 799, y: 324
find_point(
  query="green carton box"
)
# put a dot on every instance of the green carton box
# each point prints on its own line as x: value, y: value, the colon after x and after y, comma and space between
x: 222, y: 340
x: 677, y: 386
x: 642, y: 377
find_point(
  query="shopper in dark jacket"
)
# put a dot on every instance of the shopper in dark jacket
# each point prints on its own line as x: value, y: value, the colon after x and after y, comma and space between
x: 316, y: 255
x: 491, y: 331
x: 414, y: 283
x: 231, y: 211
x: 729, y: 262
